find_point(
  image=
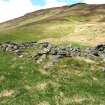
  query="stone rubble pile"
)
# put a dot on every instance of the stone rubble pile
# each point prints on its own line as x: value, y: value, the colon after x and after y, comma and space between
x: 15, y: 47
x: 53, y: 50
x: 98, y: 51
x: 60, y: 51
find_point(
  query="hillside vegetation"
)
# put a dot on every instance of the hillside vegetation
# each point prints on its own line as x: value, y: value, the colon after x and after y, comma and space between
x: 77, y: 23
x: 71, y: 80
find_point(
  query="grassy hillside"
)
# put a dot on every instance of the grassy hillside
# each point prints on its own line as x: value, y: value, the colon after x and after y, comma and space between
x: 71, y: 81
x: 71, y: 23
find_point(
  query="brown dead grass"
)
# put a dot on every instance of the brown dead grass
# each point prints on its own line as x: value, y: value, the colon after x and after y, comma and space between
x: 42, y: 86
x: 87, y: 60
x: 79, y: 99
x: 85, y: 40
x: 87, y: 34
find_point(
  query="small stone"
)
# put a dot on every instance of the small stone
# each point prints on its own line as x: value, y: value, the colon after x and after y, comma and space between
x: 41, y: 58
x: 21, y: 56
x: 103, y: 69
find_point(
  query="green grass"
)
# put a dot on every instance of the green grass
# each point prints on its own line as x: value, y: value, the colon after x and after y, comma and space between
x: 37, y: 32
x: 70, y: 82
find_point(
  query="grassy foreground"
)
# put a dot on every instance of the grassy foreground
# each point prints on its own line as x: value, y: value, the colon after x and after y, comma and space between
x: 70, y: 82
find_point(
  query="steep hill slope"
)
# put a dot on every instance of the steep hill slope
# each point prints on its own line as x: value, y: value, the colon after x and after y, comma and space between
x: 77, y: 23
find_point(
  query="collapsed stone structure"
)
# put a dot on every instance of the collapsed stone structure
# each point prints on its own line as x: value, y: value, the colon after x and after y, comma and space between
x: 60, y: 51
x: 47, y: 49
x: 98, y: 51
x: 15, y: 47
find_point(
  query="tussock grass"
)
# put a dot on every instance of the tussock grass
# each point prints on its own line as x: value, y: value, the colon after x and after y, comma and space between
x: 70, y: 81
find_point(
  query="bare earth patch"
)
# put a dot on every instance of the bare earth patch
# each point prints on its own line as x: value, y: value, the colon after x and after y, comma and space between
x: 79, y: 99
x: 44, y: 103
x: 6, y: 93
